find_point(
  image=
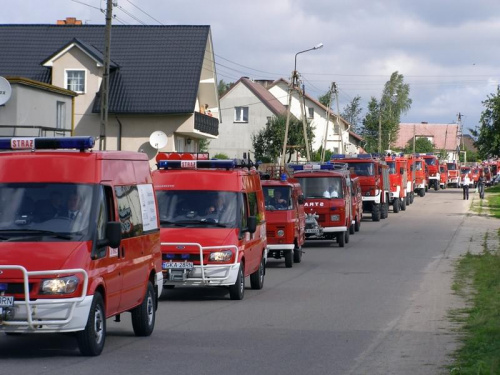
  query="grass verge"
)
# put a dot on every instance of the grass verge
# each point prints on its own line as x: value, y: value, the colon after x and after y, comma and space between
x: 478, y: 279
x: 493, y: 196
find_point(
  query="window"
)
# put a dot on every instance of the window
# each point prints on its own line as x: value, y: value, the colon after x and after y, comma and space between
x: 310, y: 112
x: 240, y: 114
x: 129, y: 210
x: 60, y: 115
x: 75, y: 80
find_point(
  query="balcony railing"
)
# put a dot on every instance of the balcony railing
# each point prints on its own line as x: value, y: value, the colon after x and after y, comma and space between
x: 206, y: 124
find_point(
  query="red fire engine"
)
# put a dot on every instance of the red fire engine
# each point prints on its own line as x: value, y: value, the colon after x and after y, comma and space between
x: 410, y: 180
x: 443, y: 173
x: 327, y: 189
x: 433, y: 169
x: 454, y: 178
x: 212, y: 222
x: 397, y: 181
x: 420, y: 175
x: 285, y: 217
x: 374, y: 178
x: 357, y: 204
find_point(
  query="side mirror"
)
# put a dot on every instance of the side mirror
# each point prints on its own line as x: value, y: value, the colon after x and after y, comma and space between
x: 301, y: 199
x: 251, y: 224
x: 113, y: 235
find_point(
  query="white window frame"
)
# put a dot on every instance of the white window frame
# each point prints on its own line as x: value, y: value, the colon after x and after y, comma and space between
x: 60, y: 114
x: 239, y: 114
x: 310, y: 112
x: 66, y: 83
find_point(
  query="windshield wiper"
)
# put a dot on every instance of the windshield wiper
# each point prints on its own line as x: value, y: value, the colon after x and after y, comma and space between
x: 36, y: 232
x: 168, y: 222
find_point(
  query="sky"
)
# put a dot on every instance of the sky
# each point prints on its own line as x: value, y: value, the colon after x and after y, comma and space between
x: 447, y: 50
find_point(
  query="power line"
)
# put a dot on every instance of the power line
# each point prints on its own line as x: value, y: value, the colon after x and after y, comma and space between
x: 90, y: 6
x: 147, y: 14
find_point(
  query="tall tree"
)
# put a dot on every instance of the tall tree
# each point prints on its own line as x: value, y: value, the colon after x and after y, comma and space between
x: 325, y: 99
x: 224, y: 87
x: 422, y: 145
x: 394, y: 102
x: 488, y: 131
x: 351, y: 113
x: 268, y: 142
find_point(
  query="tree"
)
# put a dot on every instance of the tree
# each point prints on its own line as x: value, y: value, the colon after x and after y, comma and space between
x: 422, y: 145
x: 488, y: 131
x: 325, y: 99
x: 394, y: 102
x: 203, y: 145
x: 351, y: 113
x: 268, y: 142
x: 224, y: 87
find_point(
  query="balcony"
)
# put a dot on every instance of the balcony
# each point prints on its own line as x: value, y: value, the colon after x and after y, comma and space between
x: 206, y: 124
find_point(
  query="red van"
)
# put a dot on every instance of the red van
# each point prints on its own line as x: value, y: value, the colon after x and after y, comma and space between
x: 213, y: 222
x: 79, y: 239
x: 285, y: 218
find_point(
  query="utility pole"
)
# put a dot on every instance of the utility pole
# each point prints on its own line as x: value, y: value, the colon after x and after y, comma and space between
x: 105, y: 76
x: 341, y: 132
x: 304, y: 121
x: 328, y: 109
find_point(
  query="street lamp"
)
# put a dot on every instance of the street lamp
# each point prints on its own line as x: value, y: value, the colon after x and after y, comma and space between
x: 293, y: 87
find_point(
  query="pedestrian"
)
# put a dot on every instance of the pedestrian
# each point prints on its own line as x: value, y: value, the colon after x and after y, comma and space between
x: 480, y: 184
x: 466, y: 183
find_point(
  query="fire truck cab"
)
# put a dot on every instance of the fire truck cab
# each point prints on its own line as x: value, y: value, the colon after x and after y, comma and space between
x: 454, y: 178
x: 212, y: 222
x: 285, y: 218
x: 443, y: 172
x: 398, y: 182
x: 327, y: 190
x: 432, y: 163
x: 80, y: 239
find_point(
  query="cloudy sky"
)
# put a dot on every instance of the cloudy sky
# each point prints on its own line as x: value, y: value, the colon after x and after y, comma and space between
x: 447, y: 50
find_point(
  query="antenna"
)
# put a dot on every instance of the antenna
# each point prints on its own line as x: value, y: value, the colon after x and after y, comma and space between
x: 158, y: 139
x: 5, y: 91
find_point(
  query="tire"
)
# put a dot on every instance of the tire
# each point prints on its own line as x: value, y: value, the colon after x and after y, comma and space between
x: 421, y: 192
x: 403, y: 203
x: 347, y: 235
x: 436, y: 186
x: 412, y: 197
x: 408, y: 200
x: 288, y: 259
x: 376, y: 212
x: 144, y: 315
x: 91, y: 340
x: 297, y: 254
x: 257, y: 278
x: 357, y: 225
x: 384, y: 210
x: 351, y: 228
x: 237, y: 291
x: 396, y: 205
x: 341, y: 239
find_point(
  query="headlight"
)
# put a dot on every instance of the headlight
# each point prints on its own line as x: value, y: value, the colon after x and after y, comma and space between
x: 280, y: 233
x: 335, y: 217
x: 62, y: 285
x: 221, y: 256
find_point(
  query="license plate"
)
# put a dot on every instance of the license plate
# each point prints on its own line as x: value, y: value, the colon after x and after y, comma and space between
x: 313, y: 230
x: 178, y: 265
x: 6, y: 301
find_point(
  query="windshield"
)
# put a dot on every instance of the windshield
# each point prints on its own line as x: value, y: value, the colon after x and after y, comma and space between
x: 39, y: 211
x: 430, y: 161
x: 362, y: 169
x: 392, y: 167
x: 321, y: 187
x: 278, y: 197
x: 418, y: 165
x: 465, y: 170
x: 452, y: 166
x: 200, y: 208
x: 442, y: 169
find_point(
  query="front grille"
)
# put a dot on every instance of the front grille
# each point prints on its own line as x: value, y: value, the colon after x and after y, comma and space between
x: 181, y: 257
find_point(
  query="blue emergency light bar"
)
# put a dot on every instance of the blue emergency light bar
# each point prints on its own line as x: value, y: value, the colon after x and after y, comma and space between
x: 41, y: 143
x: 311, y: 167
x: 337, y: 156
x: 196, y: 164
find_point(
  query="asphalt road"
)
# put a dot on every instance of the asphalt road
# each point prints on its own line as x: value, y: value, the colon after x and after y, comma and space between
x: 377, y: 306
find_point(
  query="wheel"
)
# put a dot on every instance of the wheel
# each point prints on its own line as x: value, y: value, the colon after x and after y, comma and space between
x: 347, y: 235
x: 288, y: 259
x: 403, y: 203
x: 408, y: 199
x: 412, y: 197
x: 395, y: 205
x: 357, y: 225
x: 257, y: 278
x: 237, y: 291
x: 351, y: 228
x: 144, y: 315
x: 91, y: 339
x: 421, y: 193
x: 384, y: 210
x: 436, y: 186
x: 341, y: 239
x: 376, y: 212
x: 297, y: 254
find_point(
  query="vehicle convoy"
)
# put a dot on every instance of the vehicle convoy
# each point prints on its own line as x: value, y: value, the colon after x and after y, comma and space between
x: 212, y: 222
x: 420, y: 186
x: 285, y: 217
x: 454, y: 178
x: 327, y: 190
x: 397, y: 181
x: 443, y: 173
x: 432, y: 163
x: 373, y: 175
x: 79, y: 239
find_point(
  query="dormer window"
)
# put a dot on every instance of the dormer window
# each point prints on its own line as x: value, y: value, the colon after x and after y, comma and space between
x: 75, y: 80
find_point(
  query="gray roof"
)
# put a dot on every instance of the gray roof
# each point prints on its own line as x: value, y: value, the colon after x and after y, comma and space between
x: 155, y: 69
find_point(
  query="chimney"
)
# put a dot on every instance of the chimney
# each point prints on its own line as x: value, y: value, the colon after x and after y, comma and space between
x: 69, y: 21
x: 424, y: 122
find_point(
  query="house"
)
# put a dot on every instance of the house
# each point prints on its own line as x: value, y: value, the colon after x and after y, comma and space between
x: 245, y: 110
x: 36, y: 109
x: 160, y: 78
x: 249, y: 105
x: 442, y: 136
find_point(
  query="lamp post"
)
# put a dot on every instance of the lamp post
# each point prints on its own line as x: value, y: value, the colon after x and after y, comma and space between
x: 293, y: 87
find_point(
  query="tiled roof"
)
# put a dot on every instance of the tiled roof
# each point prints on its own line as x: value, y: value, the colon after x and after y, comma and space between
x: 158, y: 67
x: 265, y: 96
x: 445, y: 136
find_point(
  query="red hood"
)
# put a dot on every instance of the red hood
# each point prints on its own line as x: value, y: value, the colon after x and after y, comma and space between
x: 203, y: 236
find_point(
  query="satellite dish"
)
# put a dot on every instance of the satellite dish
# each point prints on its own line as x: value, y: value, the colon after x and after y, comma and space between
x: 158, y: 139
x: 5, y: 91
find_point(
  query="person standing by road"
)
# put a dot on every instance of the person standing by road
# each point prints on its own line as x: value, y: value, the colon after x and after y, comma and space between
x: 480, y: 184
x: 466, y: 183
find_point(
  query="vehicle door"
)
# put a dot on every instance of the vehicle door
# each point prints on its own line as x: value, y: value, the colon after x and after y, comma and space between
x: 250, y: 241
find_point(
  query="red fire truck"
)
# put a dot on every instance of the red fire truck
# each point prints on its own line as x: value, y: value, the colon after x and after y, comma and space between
x: 420, y: 175
x: 397, y: 181
x: 357, y: 204
x: 410, y: 180
x: 454, y: 178
x: 374, y: 178
x: 285, y: 217
x: 327, y: 190
x: 443, y: 173
x: 474, y: 175
x: 212, y: 222
x: 433, y: 168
